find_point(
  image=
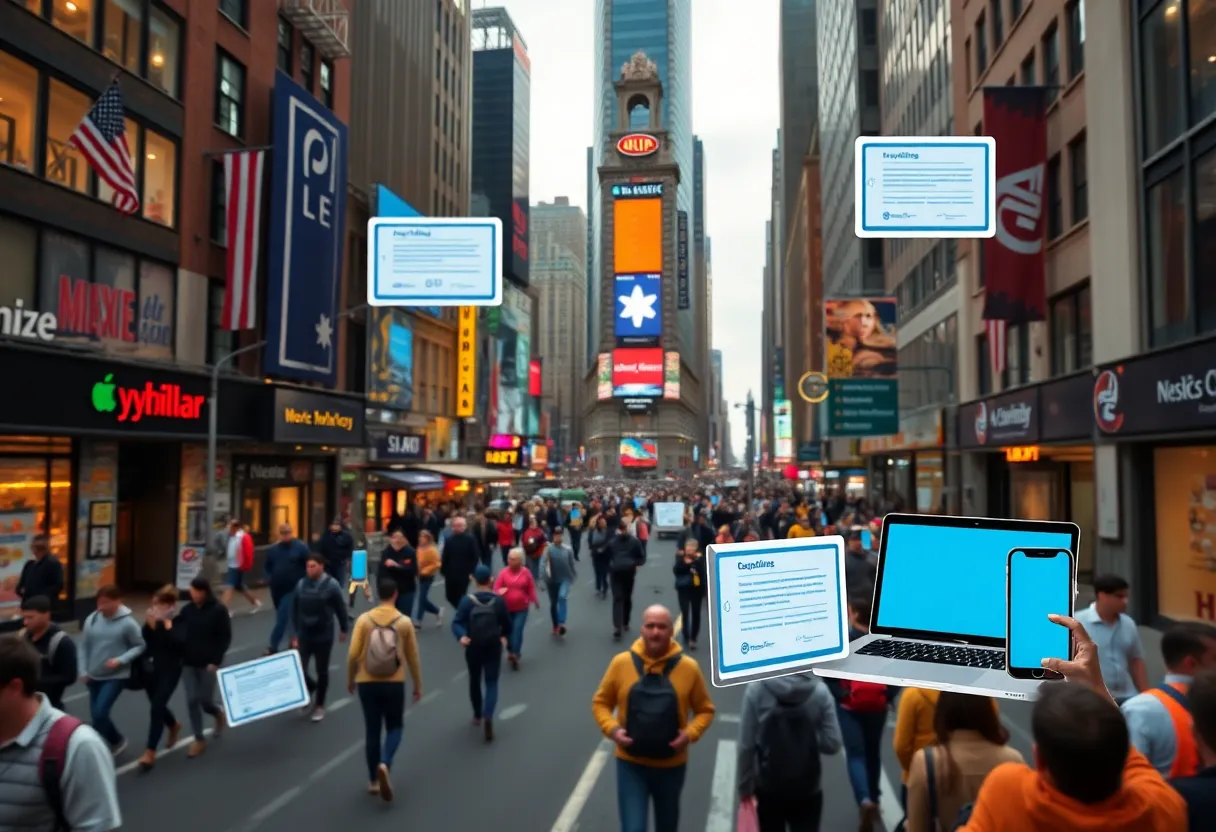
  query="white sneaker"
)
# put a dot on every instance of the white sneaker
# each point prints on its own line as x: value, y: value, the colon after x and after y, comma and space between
x: 318, y: 715
x: 439, y: 617
x: 116, y: 750
x: 257, y: 608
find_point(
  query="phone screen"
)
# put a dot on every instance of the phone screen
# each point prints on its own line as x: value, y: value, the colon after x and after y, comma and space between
x: 358, y: 565
x: 866, y: 542
x: 1040, y: 583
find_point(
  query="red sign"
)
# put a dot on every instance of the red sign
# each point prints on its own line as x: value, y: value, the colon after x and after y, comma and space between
x: 132, y: 404
x: 95, y: 309
x: 534, y: 385
x: 637, y: 144
x: 639, y: 370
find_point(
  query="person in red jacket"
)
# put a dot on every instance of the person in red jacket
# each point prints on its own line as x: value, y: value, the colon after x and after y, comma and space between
x: 534, y: 541
x: 506, y: 535
x: 240, y: 561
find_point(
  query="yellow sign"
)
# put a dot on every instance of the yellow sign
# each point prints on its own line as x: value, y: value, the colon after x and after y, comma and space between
x: 466, y: 358
x: 1027, y: 453
x: 318, y: 418
x: 502, y: 459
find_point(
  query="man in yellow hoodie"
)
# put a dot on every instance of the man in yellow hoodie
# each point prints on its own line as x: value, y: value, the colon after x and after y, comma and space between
x: 643, y: 705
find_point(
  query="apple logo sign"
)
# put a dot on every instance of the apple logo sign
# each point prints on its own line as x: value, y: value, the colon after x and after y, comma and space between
x: 103, y: 395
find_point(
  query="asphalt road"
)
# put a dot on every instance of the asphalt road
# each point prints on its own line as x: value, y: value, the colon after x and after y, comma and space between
x: 549, y: 768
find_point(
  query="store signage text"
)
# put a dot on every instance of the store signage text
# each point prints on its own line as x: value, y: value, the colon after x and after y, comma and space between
x: 404, y: 445
x: 637, y: 190
x: 1189, y: 388
x: 466, y: 367
x: 97, y: 310
x: 1028, y: 453
x: 637, y: 144
x: 1012, y: 416
x: 318, y: 418
x: 268, y: 472
x: 20, y: 322
x: 164, y: 401
x: 502, y: 459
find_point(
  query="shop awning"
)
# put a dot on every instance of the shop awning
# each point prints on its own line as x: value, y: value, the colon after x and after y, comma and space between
x: 417, y: 480
x: 458, y: 471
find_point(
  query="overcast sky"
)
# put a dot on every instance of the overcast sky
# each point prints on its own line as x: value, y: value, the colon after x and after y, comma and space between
x: 735, y: 112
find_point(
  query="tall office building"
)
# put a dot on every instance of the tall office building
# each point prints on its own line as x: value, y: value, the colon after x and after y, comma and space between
x: 718, y: 425
x: 772, y: 327
x: 799, y: 96
x: 702, y: 299
x: 662, y: 29
x: 847, y: 43
x: 558, y: 246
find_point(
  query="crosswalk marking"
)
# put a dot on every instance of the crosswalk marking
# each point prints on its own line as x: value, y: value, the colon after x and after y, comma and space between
x: 567, y: 821
x: 722, y: 796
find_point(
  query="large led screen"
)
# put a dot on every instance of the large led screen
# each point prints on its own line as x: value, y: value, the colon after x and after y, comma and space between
x: 637, y: 372
x: 603, y: 376
x: 639, y: 453
x: 637, y: 236
x: 638, y: 318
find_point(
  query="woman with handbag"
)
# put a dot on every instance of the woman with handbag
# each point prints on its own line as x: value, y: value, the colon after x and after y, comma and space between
x: 946, y: 777
x: 159, y: 670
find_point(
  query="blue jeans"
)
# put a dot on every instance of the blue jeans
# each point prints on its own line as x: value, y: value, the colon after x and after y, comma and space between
x: 638, y: 786
x: 424, y: 603
x: 484, y: 663
x: 533, y: 567
x: 282, y: 620
x: 405, y: 603
x: 862, y: 735
x: 383, y: 706
x: 515, y: 641
x: 558, y: 593
x: 103, y: 693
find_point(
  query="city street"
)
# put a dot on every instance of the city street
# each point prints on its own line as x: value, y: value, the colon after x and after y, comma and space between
x: 548, y: 769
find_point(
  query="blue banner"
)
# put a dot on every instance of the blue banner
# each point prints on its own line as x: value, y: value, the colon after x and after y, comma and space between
x: 638, y: 312
x: 388, y: 204
x: 307, y: 226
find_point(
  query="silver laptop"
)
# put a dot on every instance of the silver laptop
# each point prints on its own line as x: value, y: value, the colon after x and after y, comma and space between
x: 938, y: 618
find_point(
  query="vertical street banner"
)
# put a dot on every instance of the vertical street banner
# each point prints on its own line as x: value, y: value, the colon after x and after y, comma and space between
x: 862, y: 366
x: 466, y: 363
x: 683, y: 294
x: 307, y: 223
x: 1015, y: 272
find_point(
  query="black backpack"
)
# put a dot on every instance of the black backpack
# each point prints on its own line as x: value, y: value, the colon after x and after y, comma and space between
x: 652, y: 714
x: 311, y: 601
x: 484, y: 627
x: 788, y: 752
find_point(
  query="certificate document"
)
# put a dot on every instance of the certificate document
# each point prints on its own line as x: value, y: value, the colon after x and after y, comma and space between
x: 923, y: 186
x: 435, y: 261
x: 776, y: 607
x: 262, y: 687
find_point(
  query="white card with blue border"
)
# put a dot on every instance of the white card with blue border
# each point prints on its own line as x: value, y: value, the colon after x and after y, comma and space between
x: 776, y: 607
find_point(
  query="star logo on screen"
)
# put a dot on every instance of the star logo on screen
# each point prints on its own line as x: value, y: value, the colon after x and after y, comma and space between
x: 638, y: 306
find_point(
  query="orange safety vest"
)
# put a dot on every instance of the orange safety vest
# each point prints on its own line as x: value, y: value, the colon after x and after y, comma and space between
x: 1186, y: 757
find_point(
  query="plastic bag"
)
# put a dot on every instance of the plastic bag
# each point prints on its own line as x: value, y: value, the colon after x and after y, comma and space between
x: 747, y: 820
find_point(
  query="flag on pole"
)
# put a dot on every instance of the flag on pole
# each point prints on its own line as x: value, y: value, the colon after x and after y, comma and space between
x: 102, y: 139
x: 996, y: 331
x: 243, y: 191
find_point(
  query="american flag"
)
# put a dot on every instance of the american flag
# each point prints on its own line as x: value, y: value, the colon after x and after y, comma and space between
x: 102, y: 138
x: 243, y: 190
x: 996, y: 331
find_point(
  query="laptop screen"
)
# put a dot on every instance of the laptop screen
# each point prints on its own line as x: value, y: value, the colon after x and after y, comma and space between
x: 941, y: 579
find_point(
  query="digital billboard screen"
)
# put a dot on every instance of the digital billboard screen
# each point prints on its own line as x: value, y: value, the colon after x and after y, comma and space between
x: 637, y: 372
x: 534, y: 378
x: 671, y: 376
x: 603, y: 376
x: 637, y: 236
x: 638, y: 318
x: 639, y: 453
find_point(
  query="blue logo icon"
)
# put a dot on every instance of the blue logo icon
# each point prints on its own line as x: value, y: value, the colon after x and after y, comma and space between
x: 744, y: 648
x: 886, y: 215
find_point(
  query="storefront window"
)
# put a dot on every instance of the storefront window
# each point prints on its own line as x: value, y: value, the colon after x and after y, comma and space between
x: 156, y: 311
x: 74, y: 17
x: 64, y: 164
x: 35, y: 498
x: 930, y: 483
x: 18, y: 250
x: 1201, y: 26
x: 1034, y: 493
x: 65, y: 260
x: 104, y: 192
x: 116, y: 270
x: 1170, y: 301
x: 164, y: 47
x: 1161, y: 81
x: 160, y: 178
x: 18, y: 112
x: 120, y: 39
x: 1205, y: 236
x: 1185, y: 488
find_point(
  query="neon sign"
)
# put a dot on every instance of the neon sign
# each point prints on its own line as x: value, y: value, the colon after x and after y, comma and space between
x: 133, y: 404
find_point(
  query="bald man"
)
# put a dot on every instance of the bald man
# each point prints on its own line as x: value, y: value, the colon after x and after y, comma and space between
x: 643, y: 704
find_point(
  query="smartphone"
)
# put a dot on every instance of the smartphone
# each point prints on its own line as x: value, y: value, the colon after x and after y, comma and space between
x: 866, y: 541
x: 1039, y: 582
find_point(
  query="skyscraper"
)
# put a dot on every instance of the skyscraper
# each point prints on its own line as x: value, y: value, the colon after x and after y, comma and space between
x: 799, y: 97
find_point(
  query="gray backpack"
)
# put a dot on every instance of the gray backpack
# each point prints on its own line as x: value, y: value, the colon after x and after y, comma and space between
x: 382, y: 656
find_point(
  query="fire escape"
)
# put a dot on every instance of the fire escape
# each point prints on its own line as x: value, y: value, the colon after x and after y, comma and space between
x: 324, y: 22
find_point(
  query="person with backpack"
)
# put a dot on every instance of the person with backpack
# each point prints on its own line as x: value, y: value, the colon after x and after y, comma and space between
x: 110, y: 643
x: 382, y: 645
x: 55, y: 771
x: 786, y: 724
x: 59, y: 667
x: 518, y: 591
x: 625, y: 556
x: 399, y: 561
x: 482, y: 625
x: 318, y: 602
x: 643, y: 704
x: 206, y: 630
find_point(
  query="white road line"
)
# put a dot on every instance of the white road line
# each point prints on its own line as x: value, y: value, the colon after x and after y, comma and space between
x: 733, y: 719
x: 722, y: 802
x: 459, y: 676
x: 567, y: 821
x: 282, y: 801
x: 888, y: 801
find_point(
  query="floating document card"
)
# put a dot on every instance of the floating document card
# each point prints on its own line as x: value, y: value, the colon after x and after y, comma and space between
x: 668, y: 516
x: 434, y: 261
x: 776, y: 607
x: 923, y: 186
x: 263, y: 687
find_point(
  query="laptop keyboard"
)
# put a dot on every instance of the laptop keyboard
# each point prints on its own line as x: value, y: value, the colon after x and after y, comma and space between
x: 919, y: 651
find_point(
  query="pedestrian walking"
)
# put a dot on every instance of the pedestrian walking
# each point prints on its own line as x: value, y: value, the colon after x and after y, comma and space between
x: 691, y: 583
x: 518, y: 591
x: 60, y: 669
x: 1117, y: 637
x: 643, y: 704
x: 460, y: 557
x: 429, y: 562
x: 383, y: 644
x: 337, y: 545
x: 284, y: 567
x: 574, y: 527
x: 597, y: 543
x: 110, y: 642
x: 533, y: 541
x: 506, y: 535
x: 318, y: 603
x: 207, y: 634
x: 162, y: 671
x: 42, y: 574
x: 482, y: 625
x: 399, y: 561
x: 238, y: 551
x: 624, y: 557
x: 560, y: 575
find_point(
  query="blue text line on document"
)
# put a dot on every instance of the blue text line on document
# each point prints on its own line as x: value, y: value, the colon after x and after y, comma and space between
x: 926, y: 187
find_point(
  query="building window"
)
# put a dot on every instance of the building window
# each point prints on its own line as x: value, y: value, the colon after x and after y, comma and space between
x: 164, y: 51
x: 1028, y: 79
x: 219, y: 340
x: 327, y: 84
x: 74, y: 18
x: 998, y: 23
x: 869, y: 27
x: 1051, y: 62
x: 18, y: 112
x: 1071, y: 332
x: 1015, y: 10
x: 219, y: 205
x: 869, y: 87
x: 1161, y: 84
x: 160, y: 178
x: 1075, y: 16
x: 18, y: 279
x: 283, y: 50
x: 1205, y: 238
x: 64, y: 164
x: 122, y: 22
x: 967, y: 60
x: 1017, y: 356
x: 104, y: 192
x: 1201, y: 40
x: 229, y: 95
x: 1055, y: 199
x: 1169, y: 294
x: 983, y: 365
x: 235, y: 10
x: 1078, y: 169
x: 306, y: 64
x: 981, y: 46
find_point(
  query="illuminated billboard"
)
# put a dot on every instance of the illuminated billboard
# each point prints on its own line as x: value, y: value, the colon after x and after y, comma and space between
x: 639, y: 453
x: 783, y: 431
x: 505, y: 442
x: 534, y: 378
x: 637, y: 236
x: 637, y: 372
x: 638, y: 322
x: 671, y: 376
x: 604, y: 377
